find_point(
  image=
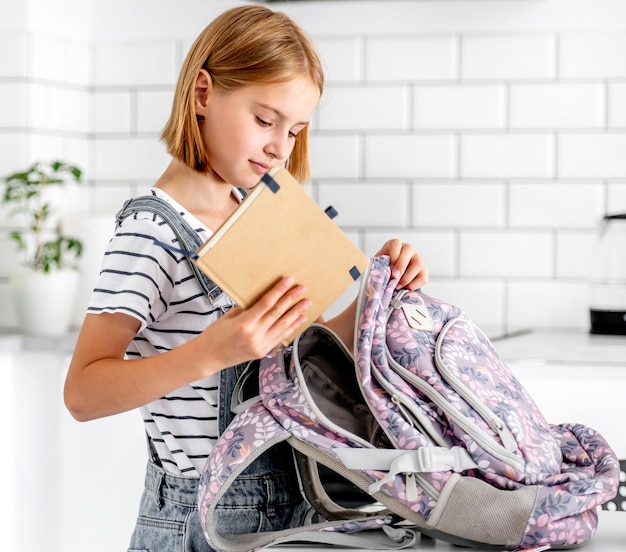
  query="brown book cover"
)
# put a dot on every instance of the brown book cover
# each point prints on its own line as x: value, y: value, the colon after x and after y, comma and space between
x: 279, y: 230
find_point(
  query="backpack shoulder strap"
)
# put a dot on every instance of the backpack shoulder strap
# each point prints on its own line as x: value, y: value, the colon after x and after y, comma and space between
x: 188, y: 238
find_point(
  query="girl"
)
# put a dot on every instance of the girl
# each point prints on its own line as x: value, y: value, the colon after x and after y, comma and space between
x: 151, y: 339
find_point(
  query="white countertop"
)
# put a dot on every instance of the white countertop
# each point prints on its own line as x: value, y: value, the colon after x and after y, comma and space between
x: 563, y: 347
x: 610, y: 537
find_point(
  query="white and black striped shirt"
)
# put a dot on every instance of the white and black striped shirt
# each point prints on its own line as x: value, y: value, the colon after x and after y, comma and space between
x: 148, y: 282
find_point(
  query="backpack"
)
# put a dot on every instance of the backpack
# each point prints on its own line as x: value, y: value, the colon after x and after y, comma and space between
x: 427, y: 420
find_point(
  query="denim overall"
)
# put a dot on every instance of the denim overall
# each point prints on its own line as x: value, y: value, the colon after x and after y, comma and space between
x: 266, y: 498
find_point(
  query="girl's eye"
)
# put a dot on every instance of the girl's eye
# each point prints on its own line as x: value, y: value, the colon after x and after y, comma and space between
x: 262, y: 122
x: 292, y: 134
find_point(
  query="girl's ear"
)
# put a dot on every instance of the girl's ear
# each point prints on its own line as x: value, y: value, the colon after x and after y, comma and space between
x: 202, y: 91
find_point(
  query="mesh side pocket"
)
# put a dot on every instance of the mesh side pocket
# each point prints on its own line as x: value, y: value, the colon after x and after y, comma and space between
x: 476, y: 512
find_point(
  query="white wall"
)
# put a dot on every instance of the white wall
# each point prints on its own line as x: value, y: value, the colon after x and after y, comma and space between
x: 490, y: 134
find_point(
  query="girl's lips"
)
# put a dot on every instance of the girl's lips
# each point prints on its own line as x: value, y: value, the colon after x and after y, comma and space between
x: 261, y: 168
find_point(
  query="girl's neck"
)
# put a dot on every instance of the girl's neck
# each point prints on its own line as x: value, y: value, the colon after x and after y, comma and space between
x: 209, y: 200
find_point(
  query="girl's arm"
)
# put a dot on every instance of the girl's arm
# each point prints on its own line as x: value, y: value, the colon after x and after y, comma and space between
x: 100, y: 382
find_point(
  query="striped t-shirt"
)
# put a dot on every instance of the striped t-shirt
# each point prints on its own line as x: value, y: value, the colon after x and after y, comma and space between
x: 156, y: 286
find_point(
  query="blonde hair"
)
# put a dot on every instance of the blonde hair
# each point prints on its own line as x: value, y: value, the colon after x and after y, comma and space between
x: 243, y: 46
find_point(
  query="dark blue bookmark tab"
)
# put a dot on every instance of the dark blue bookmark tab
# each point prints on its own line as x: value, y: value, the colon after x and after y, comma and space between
x: 355, y: 273
x: 331, y: 212
x: 270, y: 182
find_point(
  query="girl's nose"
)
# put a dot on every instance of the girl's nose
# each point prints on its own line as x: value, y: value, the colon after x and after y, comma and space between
x: 277, y: 149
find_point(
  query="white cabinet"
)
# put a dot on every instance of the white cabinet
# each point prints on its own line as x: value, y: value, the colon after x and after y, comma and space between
x: 72, y: 486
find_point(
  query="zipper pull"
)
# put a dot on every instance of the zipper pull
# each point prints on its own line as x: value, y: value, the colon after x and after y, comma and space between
x: 508, y: 441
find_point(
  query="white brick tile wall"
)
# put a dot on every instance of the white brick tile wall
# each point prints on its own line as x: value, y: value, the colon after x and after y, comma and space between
x: 508, y: 57
x: 13, y: 107
x: 512, y: 254
x: 547, y: 304
x: 13, y: 65
x: 616, y: 198
x: 365, y: 108
x: 128, y: 159
x: 459, y: 204
x: 592, y: 55
x: 617, y: 105
x: 459, y: 106
x: 153, y: 110
x: 574, y: 254
x: 111, y: 111
x: 557, y: 105
x: 136, y: 64
x: 493, y: 143
x: 57, y: 108
x: 528, y: 155
x: 410, y: 155
x: 335, y: 156
x: 592, y: 155
x: 437, y: 247
x: 555, y: 205
x: 411, y: 58
x: 342, y: 59
x: 378, y: 203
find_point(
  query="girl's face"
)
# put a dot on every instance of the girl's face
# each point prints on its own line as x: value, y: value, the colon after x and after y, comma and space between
x: 252, y: 129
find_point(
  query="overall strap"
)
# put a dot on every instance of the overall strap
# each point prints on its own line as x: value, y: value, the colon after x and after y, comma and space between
x: 188, y: 238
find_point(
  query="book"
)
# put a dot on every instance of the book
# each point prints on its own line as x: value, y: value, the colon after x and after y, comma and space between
x: 278, y: 230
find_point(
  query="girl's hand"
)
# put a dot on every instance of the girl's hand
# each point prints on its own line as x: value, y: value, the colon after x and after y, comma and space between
x: 406, y: 264
x: 245, y: 334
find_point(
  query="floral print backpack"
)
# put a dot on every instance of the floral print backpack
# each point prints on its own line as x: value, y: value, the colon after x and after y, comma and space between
x: 428, y: 421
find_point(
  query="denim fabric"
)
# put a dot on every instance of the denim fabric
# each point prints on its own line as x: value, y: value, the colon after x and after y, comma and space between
x: 266, y: 497
x: 168, y: 516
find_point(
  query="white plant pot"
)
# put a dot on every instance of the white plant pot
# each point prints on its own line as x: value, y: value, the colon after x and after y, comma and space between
x: 44, y: 303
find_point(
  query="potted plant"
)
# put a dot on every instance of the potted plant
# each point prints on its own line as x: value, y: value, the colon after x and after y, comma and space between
x: 44, y: 286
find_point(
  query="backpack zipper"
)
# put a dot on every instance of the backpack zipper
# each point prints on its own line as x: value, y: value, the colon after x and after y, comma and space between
x: 484, y: 440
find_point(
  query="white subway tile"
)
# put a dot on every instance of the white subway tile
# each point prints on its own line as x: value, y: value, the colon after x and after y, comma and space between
x: 46, y: 57
x: 365, y: 108
x: 78, y: 63
x: 521, y: 56
x: 402, y: 156
x: 112, y: 111
x: 437, y: 248
x: 153, y: 109
x: 14, y: 65
x: 617, y: 105
x: 557, y: 105
x: 459, y: 107
x: 507, y: 155
x: 548, y: 304
x: 135, y: 63
x: 334, y: 156
x: 13, y: 105
x: 108, y: 199
x: 592, y: 155
x: 482, y: 301
x: 128, y: 159
x: 574, y: 254
x: 46, y: 146
x: 592, y: 55
x: 411, y: 58
x: 555, y: 205
x: 616, y: 198
x: 457, y: 205
x: 342, y: 59
x: 366, y: 204
x: 13, y: 146
x: 506, y: 254
x: 59, y: 109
